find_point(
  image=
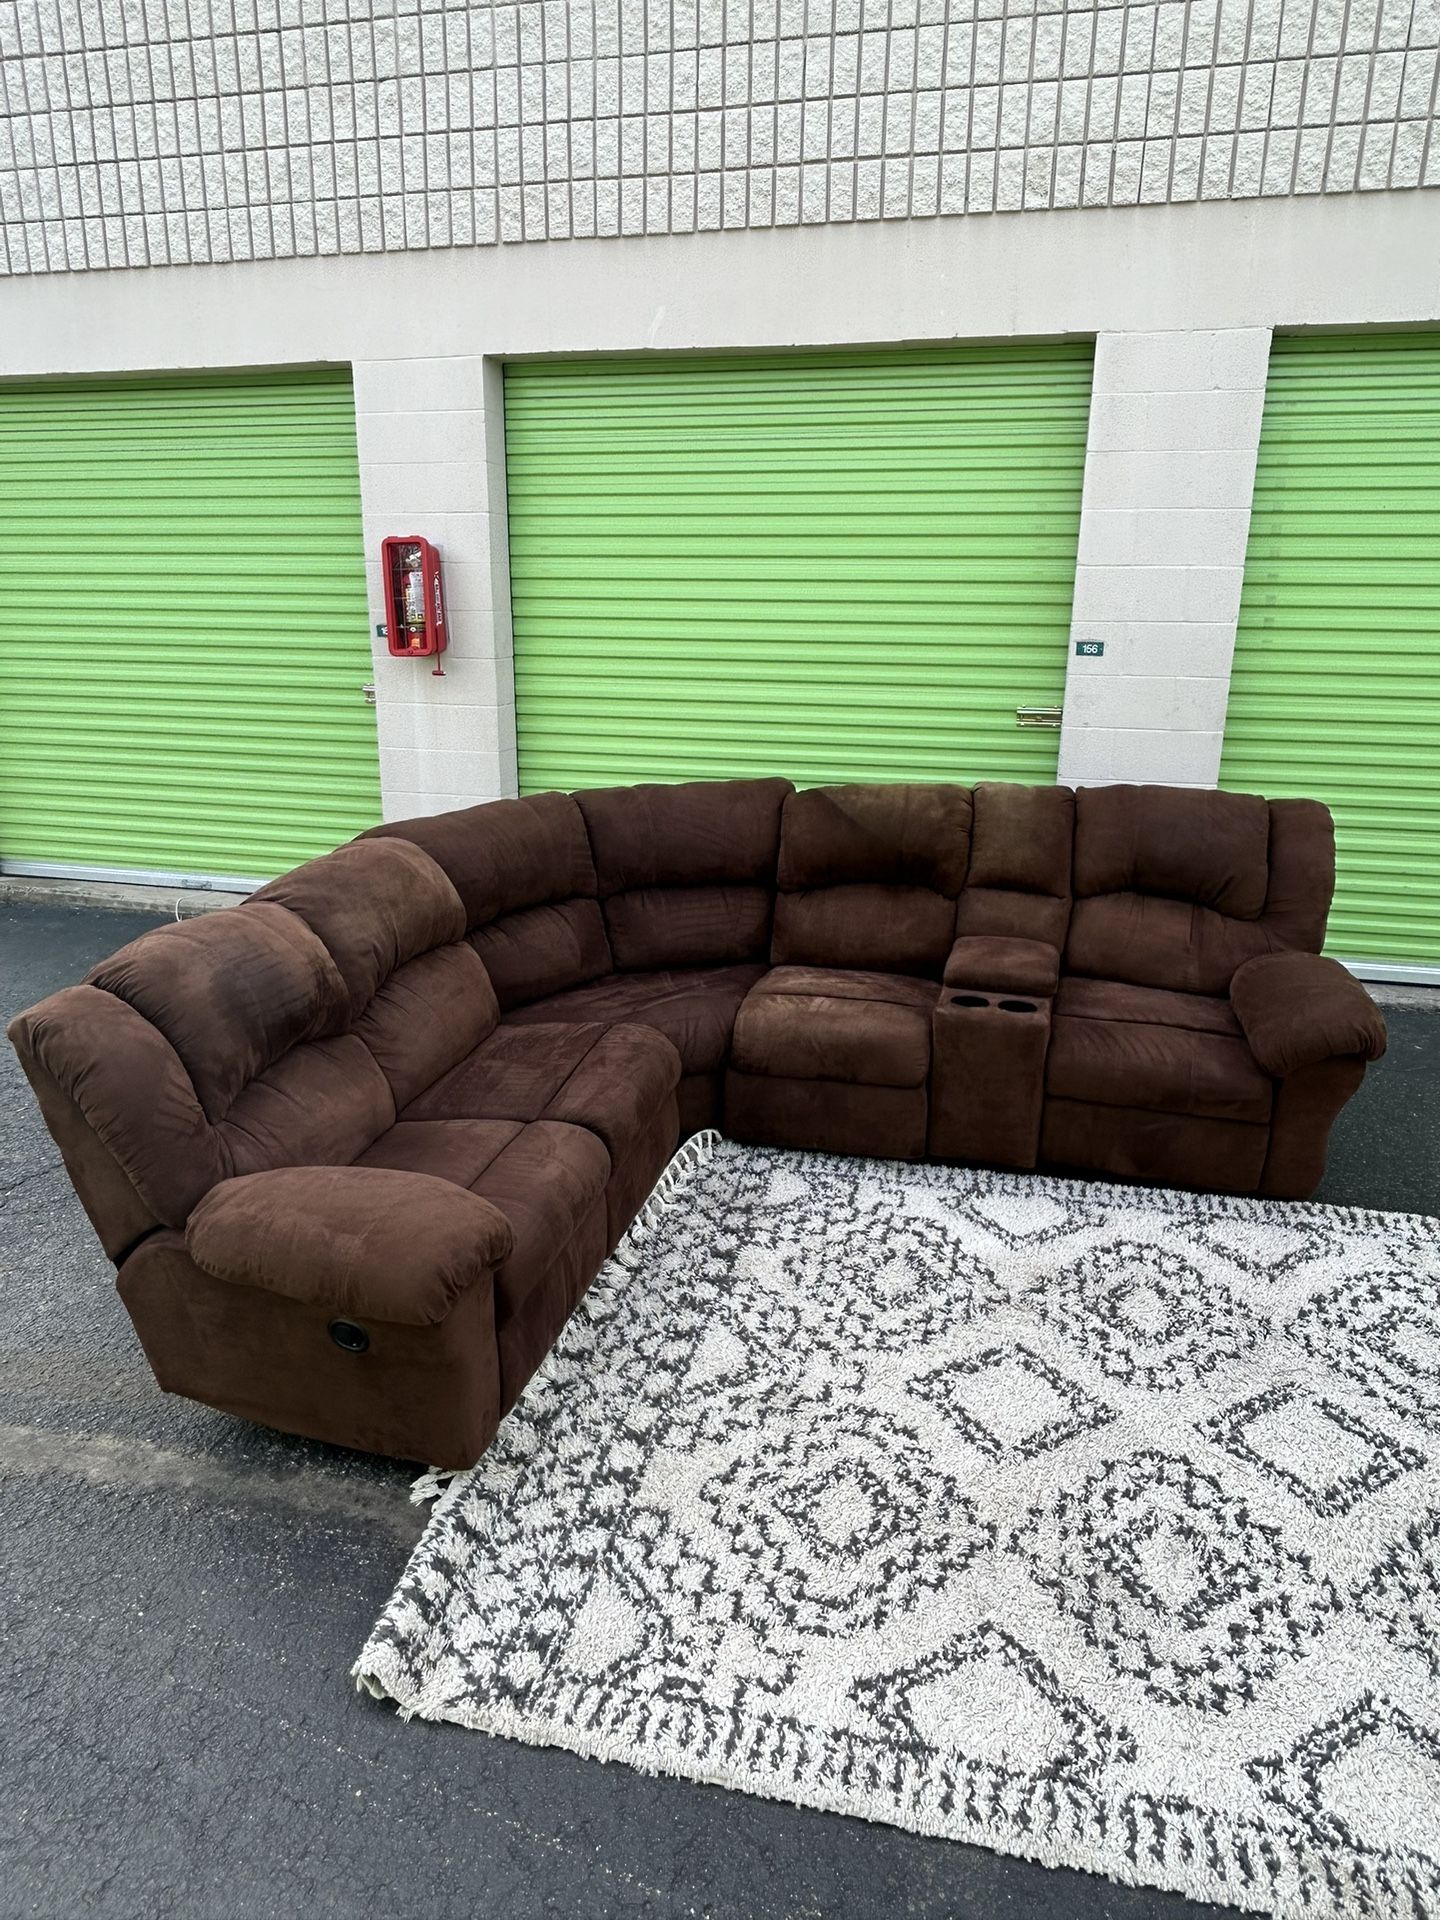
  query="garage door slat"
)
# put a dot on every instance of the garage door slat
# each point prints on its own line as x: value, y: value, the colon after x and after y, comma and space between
x: 183, y: 625
x: 1336, y: 684
x: 828, y: 565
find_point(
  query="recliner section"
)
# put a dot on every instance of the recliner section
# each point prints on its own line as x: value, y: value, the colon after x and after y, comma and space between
x: 428, y: 1080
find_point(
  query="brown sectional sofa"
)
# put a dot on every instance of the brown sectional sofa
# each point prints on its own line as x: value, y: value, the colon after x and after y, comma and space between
x: 358, y: 1146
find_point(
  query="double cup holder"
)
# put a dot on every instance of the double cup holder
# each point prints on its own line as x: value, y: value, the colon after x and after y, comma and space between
x: 987, y: 1076
x: 1006, y: 1005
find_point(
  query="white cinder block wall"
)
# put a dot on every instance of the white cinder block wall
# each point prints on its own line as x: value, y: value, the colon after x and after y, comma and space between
x: 432, y: 461
x: 1165, y: 514
x: 151, y: 132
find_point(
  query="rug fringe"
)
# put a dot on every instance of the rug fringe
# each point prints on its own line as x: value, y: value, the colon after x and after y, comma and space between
x: 696, y: 1151
x: 432, y: 1483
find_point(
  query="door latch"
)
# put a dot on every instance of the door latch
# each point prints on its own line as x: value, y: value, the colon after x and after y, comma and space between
x: 1038, y: 716
x: 369, y: 692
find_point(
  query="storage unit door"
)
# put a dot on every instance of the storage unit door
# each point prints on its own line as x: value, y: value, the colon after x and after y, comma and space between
x: 835, y: 566
x: 183, y: 626
x: 1336, y: 686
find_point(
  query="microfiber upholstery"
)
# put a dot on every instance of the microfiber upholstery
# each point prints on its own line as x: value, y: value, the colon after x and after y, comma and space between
x: 1175, y: 888
x: 1019, y: 883
x: 818, y: 1023
x: 694, y: 1007
x: 547, y: 1180
x: 606, y: 1078
x: 232, y: 993
x: 526, y: 880
x: 686, y: 873
x: 868, y: 877
x: 365, y: 1243
x: 1297, y: 1009
x: 374, y: 905
x: 425, y: 1082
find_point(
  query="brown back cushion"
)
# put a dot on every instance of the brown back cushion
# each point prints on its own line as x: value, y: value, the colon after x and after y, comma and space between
x: 191, y: 1044
x: 1176, y: 888
x: 686, y: 873
x: 1302, y: 873
x: 375, y: 904
x: 869, y: 875
x: 270, y: 1034
x: 420, y: 998
x: 231, y: 991
x: 1018, y: 886
x: 1210, y: 849
x: 523, y: 871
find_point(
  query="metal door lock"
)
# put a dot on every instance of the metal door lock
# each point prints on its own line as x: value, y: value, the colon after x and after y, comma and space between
x: 369, y: 692
x: 1038, y: 716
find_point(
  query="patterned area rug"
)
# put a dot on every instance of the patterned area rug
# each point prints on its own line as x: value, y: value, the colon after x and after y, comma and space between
x: 1092, y: 1524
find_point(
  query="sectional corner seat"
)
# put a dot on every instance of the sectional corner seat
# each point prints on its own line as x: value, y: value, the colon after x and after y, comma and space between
x: 358, y: 1145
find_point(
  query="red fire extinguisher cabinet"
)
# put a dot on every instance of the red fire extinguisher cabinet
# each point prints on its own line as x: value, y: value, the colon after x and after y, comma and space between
x: 414, y: 596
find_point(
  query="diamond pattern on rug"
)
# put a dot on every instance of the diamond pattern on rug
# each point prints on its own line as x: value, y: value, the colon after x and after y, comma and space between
x: 1365, y: 1783
x: 1007, y: 1400
x: 1018, y: 1720
x: 1147, y: 1315
x: 1091, y: 1524
x: 1176, y: 1581
x: 839, y: 1519
x: 1381, y: 1330
x: 1399, y: 1593
x: 1328, y: 1455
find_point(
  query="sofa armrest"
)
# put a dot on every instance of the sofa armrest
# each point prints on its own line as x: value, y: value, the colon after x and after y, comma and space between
x: 1003, y: 965
x: 365, y: 1241
x: 1296, y: 1009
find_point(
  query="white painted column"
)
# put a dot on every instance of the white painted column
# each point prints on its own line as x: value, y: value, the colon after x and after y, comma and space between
x: 1169, y: 478
x: 431, y: 436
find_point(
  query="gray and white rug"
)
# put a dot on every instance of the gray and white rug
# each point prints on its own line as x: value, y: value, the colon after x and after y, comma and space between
x: 1093, y: 1524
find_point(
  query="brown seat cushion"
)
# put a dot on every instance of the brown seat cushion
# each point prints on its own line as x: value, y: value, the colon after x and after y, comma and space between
x: 1144, y: 1047
x: 1114, y: 1000
x: 822, y: 1023
x: 694, y: 1007
x: 609, y: 1079
x: 546, y: 1178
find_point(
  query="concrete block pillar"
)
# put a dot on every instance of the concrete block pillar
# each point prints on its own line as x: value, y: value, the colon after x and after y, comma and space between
x: 431, y: 437
x: 1169, y: 478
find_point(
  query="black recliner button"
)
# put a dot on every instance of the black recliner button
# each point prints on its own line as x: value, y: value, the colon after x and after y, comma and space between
x: 346, y: 1334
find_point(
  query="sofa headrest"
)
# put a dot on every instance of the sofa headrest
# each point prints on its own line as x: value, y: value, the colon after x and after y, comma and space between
x: 1023, y: 838
x: 696, y: 833
x: 375, y: 904
x: 231, y: 991
x: 506, y: 854
x: 1209, y: 848
x: 902, y: 835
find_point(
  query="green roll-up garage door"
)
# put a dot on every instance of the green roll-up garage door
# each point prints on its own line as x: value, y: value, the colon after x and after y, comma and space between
x: 1336, y: 685
x: 835, y: 566
x: 183, y: 625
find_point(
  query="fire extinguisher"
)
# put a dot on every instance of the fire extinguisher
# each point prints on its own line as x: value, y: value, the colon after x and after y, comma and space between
x: 414, y: 597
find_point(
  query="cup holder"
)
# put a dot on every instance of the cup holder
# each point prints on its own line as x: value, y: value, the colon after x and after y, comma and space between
x: 1018, y: 1006
x: 969, y: 1000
